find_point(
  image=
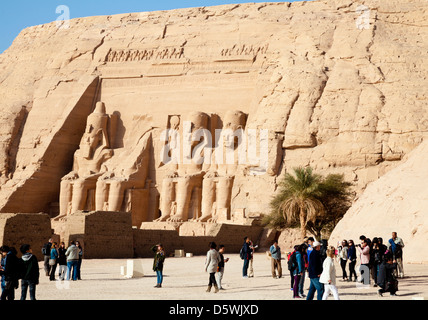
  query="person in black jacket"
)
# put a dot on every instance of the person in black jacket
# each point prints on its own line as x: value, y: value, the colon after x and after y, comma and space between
x: 10, y: 273
x: 386, y: 279
x: 314, y: 271
x: 246, y: 249
x: 62, y: 261
x: 30, y: 272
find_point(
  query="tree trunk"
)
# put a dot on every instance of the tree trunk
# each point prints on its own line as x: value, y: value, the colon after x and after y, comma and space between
x: 302, y: 223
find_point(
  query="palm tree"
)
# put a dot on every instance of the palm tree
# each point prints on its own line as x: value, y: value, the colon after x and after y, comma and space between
x: 309, y: 201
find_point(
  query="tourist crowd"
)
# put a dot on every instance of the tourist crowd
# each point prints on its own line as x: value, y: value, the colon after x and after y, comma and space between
x: 380, y: 264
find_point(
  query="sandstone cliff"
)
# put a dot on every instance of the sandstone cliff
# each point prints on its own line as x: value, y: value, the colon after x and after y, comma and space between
x: 339, y: 85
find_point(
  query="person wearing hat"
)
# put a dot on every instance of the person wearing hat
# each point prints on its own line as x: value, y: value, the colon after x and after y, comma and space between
x: 315, y: 270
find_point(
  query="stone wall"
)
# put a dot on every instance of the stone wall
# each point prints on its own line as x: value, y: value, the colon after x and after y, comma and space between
x: 29, y: 228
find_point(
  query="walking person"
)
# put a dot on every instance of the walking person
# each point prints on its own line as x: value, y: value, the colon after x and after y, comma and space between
x: 46, y: 251
x: 343, y: 258
x: 62, y: 261
x: 220, y: 269
x: 275, y: 252
x: 396, y: 245
x: 53, y: 261
x: 246, y: 254
x: 387, y: 282
x: 211, y: 264
x: 30, y: 272
x: 10, y: 273
x: 352, y: 259
x: 72, y: 255
x: 158, y: 263
x: 315, y: 270
x: 79, y: 264
x: 364, y: 250
x: 328, y: 275
x: 298, y: 270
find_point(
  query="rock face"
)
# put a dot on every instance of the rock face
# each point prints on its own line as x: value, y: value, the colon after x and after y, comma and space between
x: 337, y: 85
x: 397, y: 202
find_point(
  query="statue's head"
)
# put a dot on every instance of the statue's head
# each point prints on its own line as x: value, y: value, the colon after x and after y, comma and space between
x: 95, y: 135
x: 193, y: 122
x: 233, y: 126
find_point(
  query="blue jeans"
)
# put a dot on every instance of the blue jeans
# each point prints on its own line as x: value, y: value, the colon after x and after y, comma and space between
x: 28, y: 284
x: 315, y: 285
x: 73, y: 264
x: 245, y: 268
x: 159, y: 276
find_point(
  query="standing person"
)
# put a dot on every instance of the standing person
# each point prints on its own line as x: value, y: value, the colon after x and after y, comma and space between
x: 250, y: 263
x: 275, y: 252
x: 315, y: 270
x: 364, y: 250
x: 72, y: 255
x: 10, y: 272
x: 343, y: 258
x: 386, y: 279
x: 328, y: 275
x: 292, y: 265
x: 298, y: 271
x: 30, y: 272
x: 158, y: 263
x: 53, y: 261
x: 79, y: 264
x: 396, y: 245
x: 220, y: 269
x: 246, y: 254
x: 311, y: 241
x: 211, y: 264
x: 323, y: 250
x: 3, y: 281
x: 62, y: 261
x: 46, y: 251
x: 352, y: 258
x: 306, y: 264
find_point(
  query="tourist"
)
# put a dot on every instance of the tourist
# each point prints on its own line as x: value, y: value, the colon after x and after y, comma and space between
x: 343, y: 258
x: 10, y: 273
x: 305, y: 261
x: 211, y: 264
x: 314, y: 271
x: 298, y: 271
x: 377, y: 252
x: 396, y: 245
x: 352, y: 259
x: 364, y: 251
x: 328, y: 275
x: 386, y: 279
x: 72, y: 255
x: 53, y: 261
x: 79, y: 264
x: 3, y: 260
x: 62, y: 261
x: 250, y: 263
x: 220, y: 270
x: 323, y: 250
x: 246, y: 256
x: 275, y: 253
x: 158, y: 263
x: 291, y: 266
x: 311, y: 241
x: 30, y: 274
x: 46, y: 251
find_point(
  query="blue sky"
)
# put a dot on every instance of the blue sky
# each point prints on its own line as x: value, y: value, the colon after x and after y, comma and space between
x: 19, y: 14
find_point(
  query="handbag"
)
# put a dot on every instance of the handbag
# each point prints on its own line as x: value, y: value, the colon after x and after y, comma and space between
x: 52, y: 262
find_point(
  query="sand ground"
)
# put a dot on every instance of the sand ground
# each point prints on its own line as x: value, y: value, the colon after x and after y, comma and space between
x: 185, y: 279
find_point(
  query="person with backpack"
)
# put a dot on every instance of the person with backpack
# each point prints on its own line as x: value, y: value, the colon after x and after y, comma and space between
x: 298, y: 267
x: 11, y: 273
x: 246, y: 255
x: 46, y: 251
x: 315, y: 271
x: 30, y: 272
x: 275, y: 254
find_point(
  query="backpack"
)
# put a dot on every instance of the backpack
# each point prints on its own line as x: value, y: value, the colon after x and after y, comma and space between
x: 46, y: 250
x: 292, y: 262
x: 242, y: 253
